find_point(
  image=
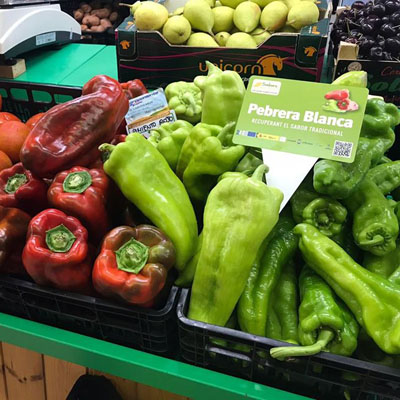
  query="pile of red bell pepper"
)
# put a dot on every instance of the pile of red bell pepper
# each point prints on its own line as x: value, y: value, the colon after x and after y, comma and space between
x: 56, y: 206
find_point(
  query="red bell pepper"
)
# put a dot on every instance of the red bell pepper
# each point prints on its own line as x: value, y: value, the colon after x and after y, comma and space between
x: 69, y: 134
x: 57, y: 253
x: 133, y: 264
x: 340, y: 94
x: 82, y: 193
x: 13, y: 227
x: 19, y: 188
x: 134, y: 88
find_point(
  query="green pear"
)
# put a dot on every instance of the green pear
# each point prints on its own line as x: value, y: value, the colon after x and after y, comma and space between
x: 211, y: 3
x: 302, y: 14
x: 201, y: 39
x: 177, y: 29
x: 222, y: 37
x: 150, y: 16
x: 290, y: 3
x: 135, y: 6
x: 247, y: 16
x: 199, y: 14
x: 223, y: 19
x: 260, y: 35
x: 274, y: 16
x: 218, y: 3
x: 288, y: 29
x: 231, y: 3
x: 241, y: 40
x: 178, y: 11
x: 262, y: 3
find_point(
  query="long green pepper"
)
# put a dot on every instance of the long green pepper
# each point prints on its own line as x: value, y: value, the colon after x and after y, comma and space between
x: 239, y: 214
x: 145, y: 179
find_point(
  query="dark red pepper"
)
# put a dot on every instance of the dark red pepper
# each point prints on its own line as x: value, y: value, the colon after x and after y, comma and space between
x: 134, y: 88
x: 13, y: 227
x: 83, y: 193
x: 133, y: 264
x: 343, y: 104
x: 69, y: 134
x: 19, y: 188
x: 57, y: 253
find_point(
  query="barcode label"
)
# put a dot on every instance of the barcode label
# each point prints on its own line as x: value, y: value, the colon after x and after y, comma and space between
x: 342, y: 149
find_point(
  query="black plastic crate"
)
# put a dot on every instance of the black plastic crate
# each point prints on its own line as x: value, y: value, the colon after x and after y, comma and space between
x: 27, y: 99
x: 324, y: 376
x: 149, y: 329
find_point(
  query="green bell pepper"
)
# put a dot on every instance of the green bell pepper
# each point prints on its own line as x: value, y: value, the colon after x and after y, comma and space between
x: 304, y: 195
x: 375, y: 225
x: 145, y: 178
x: 326, y: 214
x: 238, y: 216
x: 282, y: 318
x: 386, y: 176
x: 213, y: 157
x: 169, y: 138
x: 373, y: 300
x: 265, y: 272
x: 185, y: 99
x: 248, y: 164
x: 325, y: 324
x: 383, y: 265
x: 192, y: 143
x: 223, y: 93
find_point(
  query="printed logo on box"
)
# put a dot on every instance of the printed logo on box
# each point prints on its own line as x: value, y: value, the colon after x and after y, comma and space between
x: 266, y: 87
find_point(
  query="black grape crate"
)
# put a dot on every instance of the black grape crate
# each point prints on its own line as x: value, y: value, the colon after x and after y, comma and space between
x: 324, y: 376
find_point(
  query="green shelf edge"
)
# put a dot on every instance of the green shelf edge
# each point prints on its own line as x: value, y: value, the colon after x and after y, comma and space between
x: 162, y: 373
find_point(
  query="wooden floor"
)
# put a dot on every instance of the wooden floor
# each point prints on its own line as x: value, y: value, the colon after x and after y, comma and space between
x: 26, y: 375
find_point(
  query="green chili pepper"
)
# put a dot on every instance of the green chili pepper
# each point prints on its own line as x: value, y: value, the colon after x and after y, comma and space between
x: 145, y: 179
x: 248, y: 164
x: 282, y: 318
x: 375, y: 225
x: 304, y: 195
x: 239, y: 214
x: 264, y: 275
x: 192, y: 143
x: 223, y: 93
x: 386, y: 176
x: 346, y: 241
x: 373, y: 300
x: 384, y: 160
x: 383, y: 265
x: 169, y: 138
x: 326, y: 214
x: 325, y: 324
x: 185, y: 99
x: 213, y: 157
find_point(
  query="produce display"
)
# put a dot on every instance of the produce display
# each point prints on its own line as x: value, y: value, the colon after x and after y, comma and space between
x: 373, y: 26
x: 96, y: 16
x: 226, y: 23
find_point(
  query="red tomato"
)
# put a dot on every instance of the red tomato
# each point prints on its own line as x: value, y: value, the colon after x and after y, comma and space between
x: 32, y: 121
x: 6, y: 116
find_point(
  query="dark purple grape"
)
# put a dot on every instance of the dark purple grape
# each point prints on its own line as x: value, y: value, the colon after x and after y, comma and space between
x: 358, y: 5
x: 344, y: 14
x: 376, y: 53
x: 355, y: 33
x: 367, y: 28
x: 343, y: 38
x: 387, y: 30
x: 378, y: 9
x: 336, y: 34
x: 392, y: 45
x: 395, y: 18
x: 392, y: 6
x: 380, y: 41
x: 368, y: 10
x: 375, y: 20
x: 385, y: 19
x: 366, y: 42
x: 387, y: 56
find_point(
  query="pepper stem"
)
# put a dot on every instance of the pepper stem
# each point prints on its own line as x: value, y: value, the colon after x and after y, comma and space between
x: 259, y: 173
x: 106, y: 149
x: 15, y: 182
x: 376, y: 240
x: 225, y: 135
x: 132, y: 256
x: 77, y: 182
x: 324, y: 337
x: 60, y: 239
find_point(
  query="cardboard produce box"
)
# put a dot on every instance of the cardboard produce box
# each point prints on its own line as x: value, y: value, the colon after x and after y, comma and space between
x: 148, y: 56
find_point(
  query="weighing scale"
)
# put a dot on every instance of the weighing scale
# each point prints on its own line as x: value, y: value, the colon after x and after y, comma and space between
x: 26, y: 25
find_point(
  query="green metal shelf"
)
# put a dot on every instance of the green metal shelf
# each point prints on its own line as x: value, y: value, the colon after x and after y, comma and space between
x: 162, y: 373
